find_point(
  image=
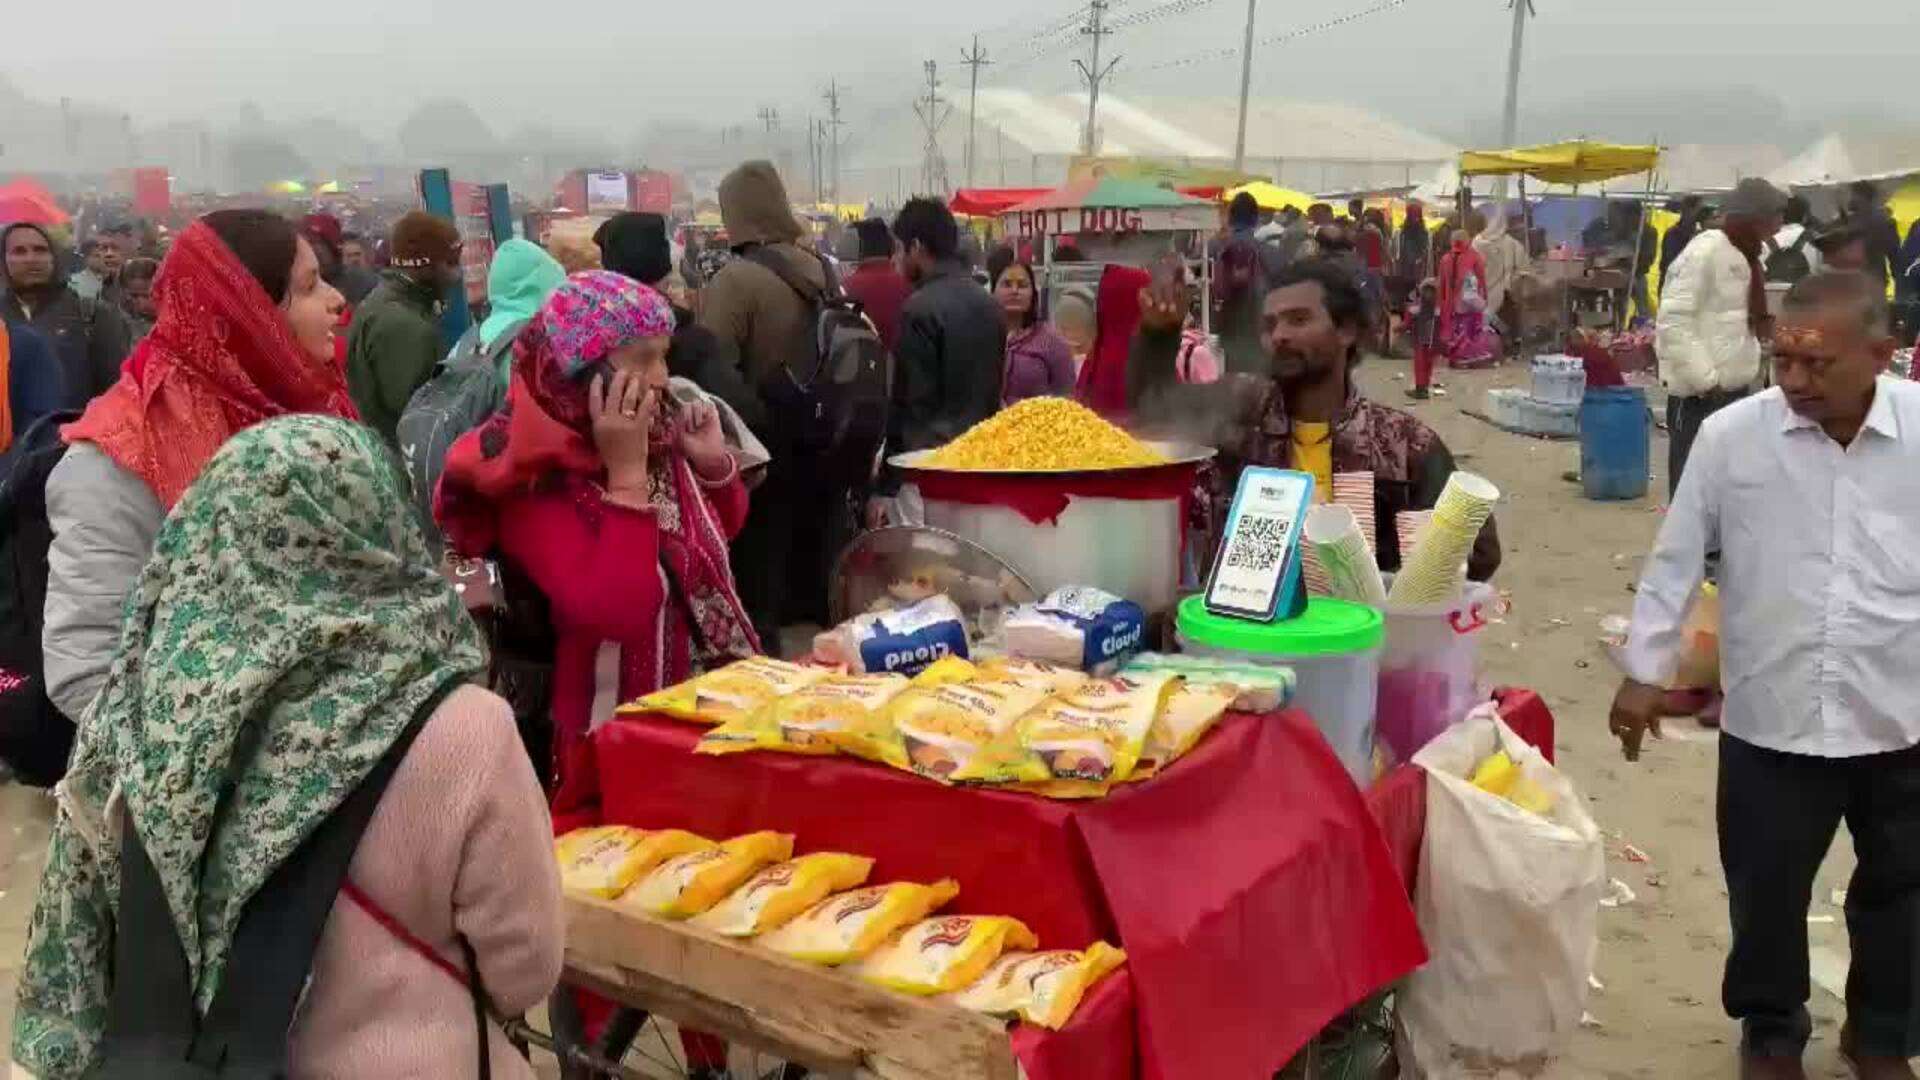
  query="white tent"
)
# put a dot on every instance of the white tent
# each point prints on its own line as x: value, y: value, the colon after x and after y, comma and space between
x: 1841, y: 159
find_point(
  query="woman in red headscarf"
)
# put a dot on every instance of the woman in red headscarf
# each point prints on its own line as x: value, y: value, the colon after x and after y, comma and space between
x: 1102, y: 385
x: 243, y: 332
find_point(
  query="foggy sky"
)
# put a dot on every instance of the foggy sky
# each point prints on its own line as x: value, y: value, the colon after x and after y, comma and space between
x: 614, y: 67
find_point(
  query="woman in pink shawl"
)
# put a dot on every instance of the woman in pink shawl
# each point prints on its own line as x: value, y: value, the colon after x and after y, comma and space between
x: 618, y: 506
x: 1464, y: 338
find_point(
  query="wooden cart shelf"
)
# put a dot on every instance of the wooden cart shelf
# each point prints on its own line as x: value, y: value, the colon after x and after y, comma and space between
x: 814, y: 1016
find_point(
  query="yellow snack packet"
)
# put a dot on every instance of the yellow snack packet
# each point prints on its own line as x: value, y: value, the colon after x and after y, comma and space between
x: 943, y: 954
x: 809, y: 720
x: 1041, y: 988
x: 1095, y: 734
x: 605, y: 860
x: 1495, y: 774
x: 1040, y: 674
x: 772, y: 897
x: 872, y: 737
x: 685, y: 886
x: 731, y: 693
x: 1191, y: 712
x: 851, y: 925
x: 943, y: 729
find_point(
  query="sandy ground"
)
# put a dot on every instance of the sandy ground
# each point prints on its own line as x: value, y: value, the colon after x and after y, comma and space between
x: 1568, y: 562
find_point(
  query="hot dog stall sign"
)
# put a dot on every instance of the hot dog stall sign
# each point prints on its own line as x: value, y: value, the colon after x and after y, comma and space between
x: 1108, y: 206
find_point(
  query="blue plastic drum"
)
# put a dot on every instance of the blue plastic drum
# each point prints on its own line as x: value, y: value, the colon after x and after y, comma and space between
x: 1615, y: 432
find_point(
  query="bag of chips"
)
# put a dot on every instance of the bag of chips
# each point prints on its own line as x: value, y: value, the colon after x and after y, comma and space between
x: 731, y: 693
x: 872, y: 736
x: 808, y: 720
x: 1097, y: 732
x: 942, y: 730
x: 1037, y: 674
x: 1190, y: 713
x: 905, y: 640
x: 942, y: 954
x: 851, y: 925
x: 1261, y: 687
x: 603, y: 861
x: 1079, y: 626
x: 1041, y: 988
x: 772, y: 897
x: 685, y: 886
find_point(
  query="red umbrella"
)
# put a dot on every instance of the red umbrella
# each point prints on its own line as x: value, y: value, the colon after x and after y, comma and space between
x: 20, y: 203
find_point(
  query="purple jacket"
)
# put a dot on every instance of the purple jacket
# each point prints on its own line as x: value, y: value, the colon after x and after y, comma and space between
x: 1039, y: 363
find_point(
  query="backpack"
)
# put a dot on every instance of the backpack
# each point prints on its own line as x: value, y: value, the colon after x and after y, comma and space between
x: 464, y: 391
x: 1789, y: 265
x: 1241, y: 272
x: 154, y: 1032
x: 35, y: 737
x: 830, y: 401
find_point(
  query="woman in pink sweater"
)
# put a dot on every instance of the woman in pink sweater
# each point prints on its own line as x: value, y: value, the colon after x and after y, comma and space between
x: 616, y: 500
x: 291, y: 661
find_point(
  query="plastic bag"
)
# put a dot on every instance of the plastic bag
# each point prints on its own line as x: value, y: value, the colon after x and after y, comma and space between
x: 873, y: 737
x: 943, y: 729
x: 1258, y: 687
x: 1508, y: 902
x: 1190, y: 713
x: 1079, y: 626
x: 941, y: 955
x: 905, y: 641
x: 851, y: 925
x: 1041, y: 988
x: 1096, y: 733
x: 1037, y: 674
x: 808, y: 720
x: 685, y: 886
x: 1699, y: 664
x: 772, y: 897
x: 730, y: 693
x: 605, y: 860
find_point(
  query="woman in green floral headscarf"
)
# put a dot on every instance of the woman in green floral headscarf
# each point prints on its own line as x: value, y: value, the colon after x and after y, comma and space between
x: 289, y: 626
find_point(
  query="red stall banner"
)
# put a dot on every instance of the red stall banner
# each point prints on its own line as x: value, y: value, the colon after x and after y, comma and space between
x: 652, y: 192
x: 152, y: 192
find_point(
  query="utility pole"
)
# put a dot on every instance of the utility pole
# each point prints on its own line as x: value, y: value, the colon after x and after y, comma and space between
x: 934, y: 114
x: 769, y: 116
x: 833, y: 133
x: 974, y: 60
x: 1510, y: 120
x: 1246, y: 87
x: 1093, y: 73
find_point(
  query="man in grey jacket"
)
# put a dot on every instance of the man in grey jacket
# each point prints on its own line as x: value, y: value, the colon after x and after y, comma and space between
x: 91, y: 338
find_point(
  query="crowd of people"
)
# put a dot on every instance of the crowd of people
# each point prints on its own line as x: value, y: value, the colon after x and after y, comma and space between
x: 311, y: 573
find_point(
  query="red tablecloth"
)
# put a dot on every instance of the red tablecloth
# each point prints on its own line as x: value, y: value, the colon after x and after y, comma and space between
x: 1248, y: 884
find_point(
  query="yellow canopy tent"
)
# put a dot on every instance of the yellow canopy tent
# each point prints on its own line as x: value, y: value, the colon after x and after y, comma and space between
x: 1574, y: 162
x: 1272, y: 196
x: 1905, y: 205
x: 287, y: 187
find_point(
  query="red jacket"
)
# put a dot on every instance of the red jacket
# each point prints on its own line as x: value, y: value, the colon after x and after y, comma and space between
x: 882, y: 290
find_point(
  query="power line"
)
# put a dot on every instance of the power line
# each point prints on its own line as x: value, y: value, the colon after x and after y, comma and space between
x: 1094, y: 73
x: 934, y: 113
x: 1279, y: 39
x: 1161, y: 11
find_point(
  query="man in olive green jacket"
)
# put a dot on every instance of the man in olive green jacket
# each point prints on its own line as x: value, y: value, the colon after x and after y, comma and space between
x: 395, y: 341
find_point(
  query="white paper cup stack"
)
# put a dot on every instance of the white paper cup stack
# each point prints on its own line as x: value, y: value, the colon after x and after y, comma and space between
x: 1433, y: 572
x: 1407, y: 525
x: 1333, y: 532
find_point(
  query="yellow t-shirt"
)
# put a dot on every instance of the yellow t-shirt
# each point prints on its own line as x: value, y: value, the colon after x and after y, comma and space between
x: 1313, y: 453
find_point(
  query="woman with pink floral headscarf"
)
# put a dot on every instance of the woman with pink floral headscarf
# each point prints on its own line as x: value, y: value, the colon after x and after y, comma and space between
x: 618, y: 503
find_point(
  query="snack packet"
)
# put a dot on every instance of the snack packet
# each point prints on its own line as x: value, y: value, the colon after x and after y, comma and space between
x: 872, y: 736
x: 943, y: 954
x: 942, y: 730
x: 731, y: 693
x: 685, y: 886
x: 1041, y: 988
x: 605, y: 860
x: 851, y: 925
x: 1037, y: 674
x: 772, y: 897
x: 1079, y: 626
x: 1190, y: 713
x: 1261, y: 687
x: 905, y: 640
x: 806, y: 721
x: 1094, y: 734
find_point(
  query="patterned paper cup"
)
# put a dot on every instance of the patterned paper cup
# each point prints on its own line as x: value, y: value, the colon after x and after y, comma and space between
x: 1432, y: 572
x: 1333, y: 532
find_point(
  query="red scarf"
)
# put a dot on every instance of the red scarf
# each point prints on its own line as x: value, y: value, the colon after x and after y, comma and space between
x: 528, y: 447
x: 219, y: 359
x: 1103, y: 378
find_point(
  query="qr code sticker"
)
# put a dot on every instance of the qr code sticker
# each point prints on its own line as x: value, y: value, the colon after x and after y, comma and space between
x: 1259, y: 543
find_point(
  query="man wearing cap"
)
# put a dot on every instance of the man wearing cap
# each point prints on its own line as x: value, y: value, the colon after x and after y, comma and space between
x: 1713, y: 316
x: 877, y: 283
x: 1807, y: 491
x: 90, y: 338
x: 395, y: 341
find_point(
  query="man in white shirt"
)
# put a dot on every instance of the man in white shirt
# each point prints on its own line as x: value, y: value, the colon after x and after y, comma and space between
x: 1811, y: 492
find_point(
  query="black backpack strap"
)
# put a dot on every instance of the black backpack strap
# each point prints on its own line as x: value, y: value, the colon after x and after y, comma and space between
x: 151, y: 1027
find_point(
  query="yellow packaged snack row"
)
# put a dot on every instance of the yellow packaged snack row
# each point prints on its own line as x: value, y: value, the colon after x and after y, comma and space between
x: 944, y: 954
x: 1094, y: 733
x: 1038, y: 674
x: 1190, y: 713
x: 772, y: 897
x: 851, y: 925
x: 685, y: 886
x: 809, y: 720
x: 943, y: 730
x: 1041, y: 988
x: 603, y: 861
x: 729, y: 694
